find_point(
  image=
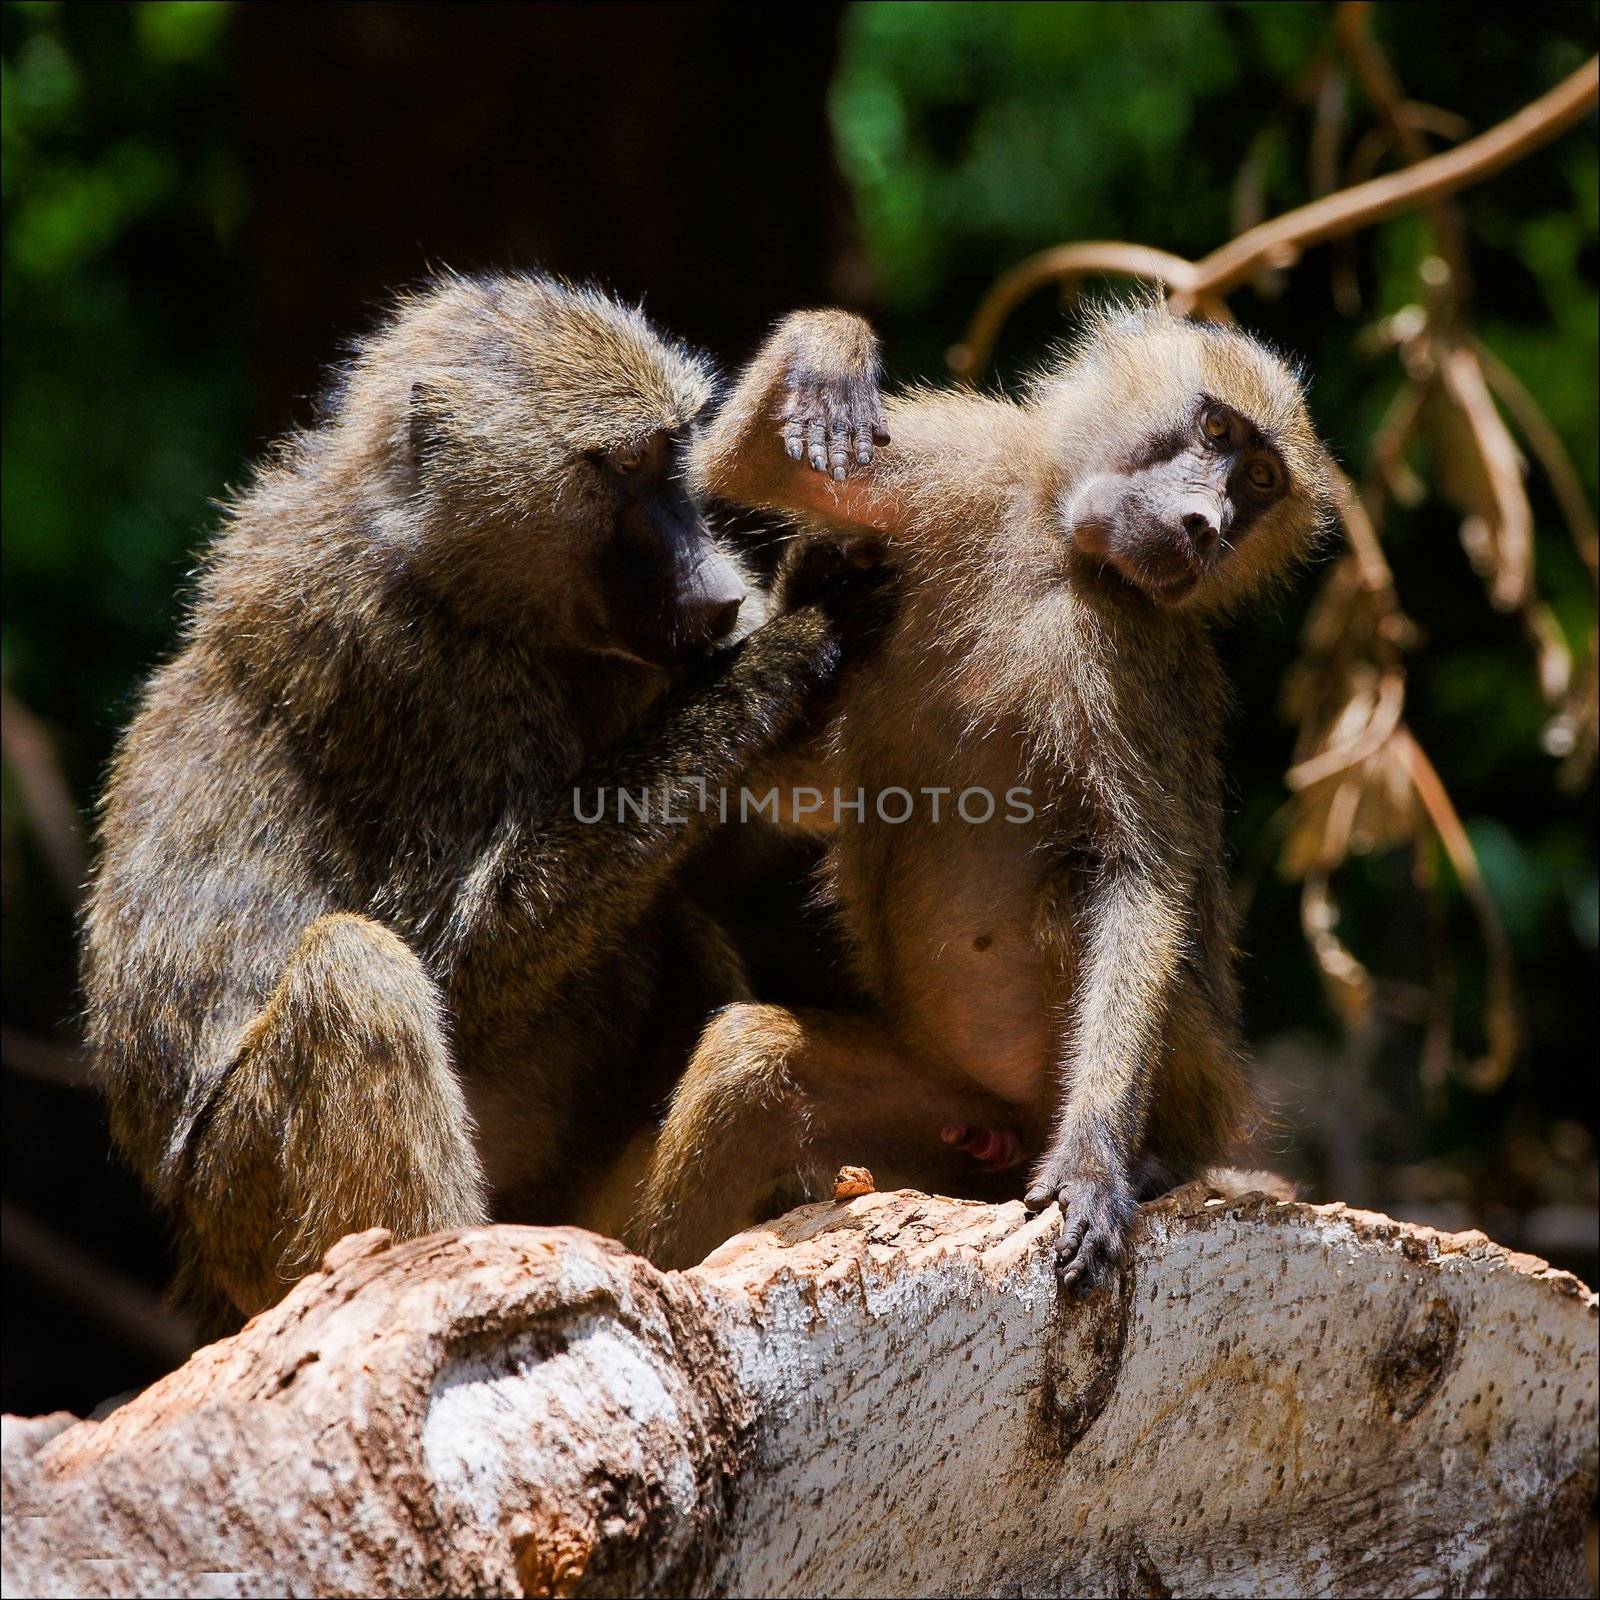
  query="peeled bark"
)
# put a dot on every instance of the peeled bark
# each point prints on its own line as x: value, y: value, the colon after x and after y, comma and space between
x: 882, y: 1396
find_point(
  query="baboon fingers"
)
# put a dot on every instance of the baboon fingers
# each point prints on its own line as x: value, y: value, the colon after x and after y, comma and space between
x: 833, y: 423
x: 1096, y: 1218
x: 816, y: 441
x: 793, y: 417
x: 839, y: 446
x: 871, y: 431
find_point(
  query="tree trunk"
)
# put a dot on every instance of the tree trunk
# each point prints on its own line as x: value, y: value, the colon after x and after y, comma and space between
x: 881, y: 1396
x: 675, y: 151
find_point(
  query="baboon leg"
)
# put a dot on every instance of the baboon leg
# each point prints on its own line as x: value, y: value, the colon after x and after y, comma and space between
x: 773, y: 1102
x: 338, y: 1112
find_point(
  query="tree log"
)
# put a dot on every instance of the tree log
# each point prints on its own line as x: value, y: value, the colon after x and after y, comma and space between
x: 884, y: 1396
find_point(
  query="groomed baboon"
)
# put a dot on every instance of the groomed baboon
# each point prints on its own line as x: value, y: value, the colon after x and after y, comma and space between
x: 1071, y: 958
x: 351, y: 957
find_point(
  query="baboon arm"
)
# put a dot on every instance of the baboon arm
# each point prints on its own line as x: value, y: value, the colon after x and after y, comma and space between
x: 1131, y: 947
x: 812, y: 388
x: 807, y: 433
x: 804, y: 781
x: 559, y: 890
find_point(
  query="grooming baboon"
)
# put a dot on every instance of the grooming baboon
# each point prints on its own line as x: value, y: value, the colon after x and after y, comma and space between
x: 1059, y: 556
x: 351, y: 958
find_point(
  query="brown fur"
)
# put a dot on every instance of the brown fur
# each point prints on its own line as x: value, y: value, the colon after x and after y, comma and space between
x: 350, y: 958
x: 1071, y: 978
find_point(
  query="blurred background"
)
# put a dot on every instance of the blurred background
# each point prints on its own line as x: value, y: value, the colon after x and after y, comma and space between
x: 204, y: 202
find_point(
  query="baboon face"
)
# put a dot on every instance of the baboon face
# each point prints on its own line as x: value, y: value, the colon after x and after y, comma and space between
x: 1186, y: 498
x: 663, y: 590
x: 545, y: 428
x: 1201, y: 475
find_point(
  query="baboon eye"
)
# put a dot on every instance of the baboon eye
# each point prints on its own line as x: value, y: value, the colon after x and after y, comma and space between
x: 642, y: 456
x: 1216, y: 424
x: 1262, y: 475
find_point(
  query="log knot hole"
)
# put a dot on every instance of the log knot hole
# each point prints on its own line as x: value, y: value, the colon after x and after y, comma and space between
x: 1083, y: 1358
x: 1416, y: 1356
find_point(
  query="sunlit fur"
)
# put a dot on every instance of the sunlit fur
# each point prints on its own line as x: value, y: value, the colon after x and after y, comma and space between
x: 1079, y: 968
x: 460, y: 430
x: 348, y: 960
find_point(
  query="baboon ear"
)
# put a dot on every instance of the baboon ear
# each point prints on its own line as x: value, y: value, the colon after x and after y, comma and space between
x: 426, y: 432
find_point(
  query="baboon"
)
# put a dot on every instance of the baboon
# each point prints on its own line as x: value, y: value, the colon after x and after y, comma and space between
x: 351, y: 957
x: 1071, y: 958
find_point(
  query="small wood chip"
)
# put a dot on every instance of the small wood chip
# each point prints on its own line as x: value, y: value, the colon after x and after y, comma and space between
x: 354, y: 1246
x: 851, y: 1182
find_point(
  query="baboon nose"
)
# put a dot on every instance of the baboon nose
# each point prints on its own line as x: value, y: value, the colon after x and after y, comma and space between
x: 720, y: 618
x: 711, y: 597
x: 1201, y: 529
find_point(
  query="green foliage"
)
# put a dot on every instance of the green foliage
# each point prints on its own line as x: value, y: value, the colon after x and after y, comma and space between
x: 974, y: 133
x: 124, y: 410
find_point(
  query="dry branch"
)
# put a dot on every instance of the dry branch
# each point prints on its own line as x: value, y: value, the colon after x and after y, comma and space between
x: 29, y: 752
x: 882, y: 1396
x: 1201, y: 284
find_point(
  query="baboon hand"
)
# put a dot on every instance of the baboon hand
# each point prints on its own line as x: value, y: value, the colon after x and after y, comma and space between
x: 851, y: 584
x: 832, y: 605
x: 1096, y: 1218
x: 832, y: 423
x: 830, y: 410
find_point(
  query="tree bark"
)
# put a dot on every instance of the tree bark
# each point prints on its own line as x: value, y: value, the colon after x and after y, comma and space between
x: 881, y: 1396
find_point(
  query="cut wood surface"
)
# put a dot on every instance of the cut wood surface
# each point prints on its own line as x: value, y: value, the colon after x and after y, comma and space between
x: 882, y: 1395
